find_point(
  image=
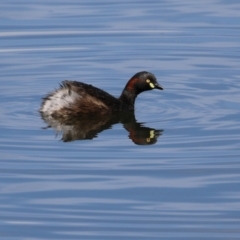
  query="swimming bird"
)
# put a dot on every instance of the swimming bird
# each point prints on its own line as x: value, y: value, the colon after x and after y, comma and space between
x: 74, y: 99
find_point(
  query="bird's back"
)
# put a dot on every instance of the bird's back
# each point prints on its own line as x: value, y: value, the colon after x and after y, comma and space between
x: 76, y: 98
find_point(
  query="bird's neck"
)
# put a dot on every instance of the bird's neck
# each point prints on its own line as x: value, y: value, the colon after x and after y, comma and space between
x: 128, y: 99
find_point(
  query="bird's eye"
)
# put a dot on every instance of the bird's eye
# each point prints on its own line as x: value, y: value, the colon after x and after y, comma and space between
x: 150, y: 83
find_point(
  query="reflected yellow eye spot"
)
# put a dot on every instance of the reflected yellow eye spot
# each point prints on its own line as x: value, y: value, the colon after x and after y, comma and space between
x: 148, y: 81
x: 151, y: 85
x: 152, y: 134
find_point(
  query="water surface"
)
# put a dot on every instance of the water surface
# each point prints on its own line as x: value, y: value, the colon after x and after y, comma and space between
x: 185, y: 185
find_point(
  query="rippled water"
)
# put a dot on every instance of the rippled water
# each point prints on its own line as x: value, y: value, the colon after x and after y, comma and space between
x: 183, y: 185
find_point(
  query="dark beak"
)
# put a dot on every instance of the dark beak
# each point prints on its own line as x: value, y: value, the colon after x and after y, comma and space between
x: 158, y: 86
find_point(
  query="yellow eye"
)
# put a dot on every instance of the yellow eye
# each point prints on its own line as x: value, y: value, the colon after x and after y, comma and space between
x: 150, y: 84
x: 152, y: 135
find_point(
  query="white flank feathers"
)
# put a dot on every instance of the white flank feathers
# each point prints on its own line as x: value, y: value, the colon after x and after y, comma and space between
x: 58, y: 100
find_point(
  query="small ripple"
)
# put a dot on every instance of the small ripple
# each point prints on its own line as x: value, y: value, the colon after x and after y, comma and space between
x: 83, y: 32
x: 27, y: 49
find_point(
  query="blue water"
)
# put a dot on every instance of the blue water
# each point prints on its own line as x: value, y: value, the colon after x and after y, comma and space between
x: 185, y: 185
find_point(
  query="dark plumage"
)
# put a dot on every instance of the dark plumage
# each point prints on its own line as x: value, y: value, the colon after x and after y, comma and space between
x: 75, y: 99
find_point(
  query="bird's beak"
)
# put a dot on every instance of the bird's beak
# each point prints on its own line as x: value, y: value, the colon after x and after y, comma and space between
x: 158, y: 86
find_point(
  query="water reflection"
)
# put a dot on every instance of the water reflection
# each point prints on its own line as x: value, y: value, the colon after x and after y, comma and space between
x: 89, y: 127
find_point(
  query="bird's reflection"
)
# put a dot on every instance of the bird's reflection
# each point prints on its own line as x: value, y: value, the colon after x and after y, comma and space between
x: 89, y: 127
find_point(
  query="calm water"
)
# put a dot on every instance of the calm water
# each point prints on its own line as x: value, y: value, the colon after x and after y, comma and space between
x: 185, y: 185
